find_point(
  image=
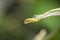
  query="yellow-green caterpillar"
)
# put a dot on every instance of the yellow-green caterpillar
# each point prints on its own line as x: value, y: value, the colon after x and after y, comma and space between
x: 36, y: 18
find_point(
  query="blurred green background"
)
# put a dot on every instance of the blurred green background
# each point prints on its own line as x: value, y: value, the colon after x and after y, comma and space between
x: 12, y: 27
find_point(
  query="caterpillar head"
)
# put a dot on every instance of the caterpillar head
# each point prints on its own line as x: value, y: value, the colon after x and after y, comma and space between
x: 30, y: 20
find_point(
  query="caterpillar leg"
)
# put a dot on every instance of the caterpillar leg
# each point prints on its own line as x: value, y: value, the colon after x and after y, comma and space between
x: 41, y: 35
